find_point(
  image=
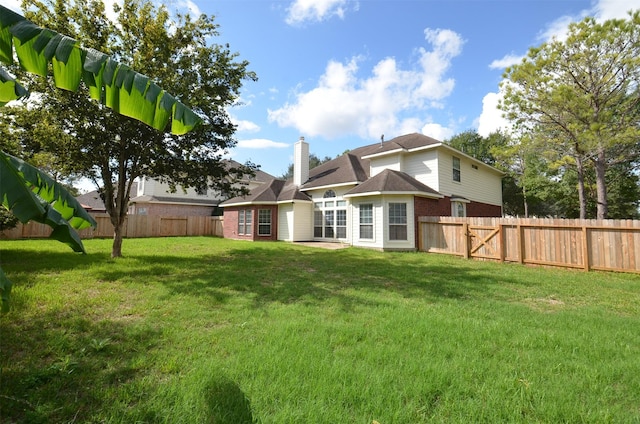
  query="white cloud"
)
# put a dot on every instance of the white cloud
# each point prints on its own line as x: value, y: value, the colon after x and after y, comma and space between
x: 13, y: 5
x: 614, y: 9
x: 246, y: 126
x: 260, y: 143
x: 491, y: 119
x: 437, y: 131
x: 344, y: 103
x: 302, y: 11
x: 505, y: 62
x: 193, y: 8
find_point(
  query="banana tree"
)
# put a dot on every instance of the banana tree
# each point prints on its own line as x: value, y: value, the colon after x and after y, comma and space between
x: 29, y: 193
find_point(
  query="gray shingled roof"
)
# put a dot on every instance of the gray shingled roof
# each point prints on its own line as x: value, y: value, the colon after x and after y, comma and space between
x: 347, y: 168
x: 274, y: 191
x: 390, y: 181
x: 91, y: 201
x: 403, y: 142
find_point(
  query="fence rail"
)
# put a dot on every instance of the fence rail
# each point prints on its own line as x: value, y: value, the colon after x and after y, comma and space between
x: 610, y: 245
x: 134, y: 226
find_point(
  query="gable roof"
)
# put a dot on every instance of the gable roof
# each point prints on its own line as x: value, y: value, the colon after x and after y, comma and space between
x: 391, y: 181
x: 345, y: 169
x: 401, y: 143
x: 270, y: 193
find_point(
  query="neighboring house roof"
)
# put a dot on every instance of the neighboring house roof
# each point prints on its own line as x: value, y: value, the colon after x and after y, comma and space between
x: 260, y: 176
x: 92, y: 201
x: 273, y: 192
x: 391, y: 181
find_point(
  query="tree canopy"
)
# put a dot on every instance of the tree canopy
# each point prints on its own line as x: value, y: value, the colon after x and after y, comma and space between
x: 577, y: 102
x: 177, y: 53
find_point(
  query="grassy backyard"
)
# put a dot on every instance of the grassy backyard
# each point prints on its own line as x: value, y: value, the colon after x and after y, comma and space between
x: 206, y: 330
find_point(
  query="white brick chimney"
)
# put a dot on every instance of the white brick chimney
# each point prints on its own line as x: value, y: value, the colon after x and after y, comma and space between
x: 300, y: 162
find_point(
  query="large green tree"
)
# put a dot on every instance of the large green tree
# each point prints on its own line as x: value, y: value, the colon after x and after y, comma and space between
x: 578, y: 100
x: 176, y: 52
x: 26, y: 191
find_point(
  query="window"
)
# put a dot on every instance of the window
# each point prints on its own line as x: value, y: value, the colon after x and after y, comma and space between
x: 366, y: 221
x: 456, y: 169
x: 341, y: 223
x: 317, y: 224
x: 244, y: 221
x: 330, y: 217
x: 397, y: 221
x: 458, y: 209
x: 328, y: 224
x: 264, y: 222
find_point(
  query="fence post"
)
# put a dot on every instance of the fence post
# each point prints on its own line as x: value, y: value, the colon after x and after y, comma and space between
x: 465, y: 234
x: 520, y: 243
x: 585, y: 248
x: 501, y: 248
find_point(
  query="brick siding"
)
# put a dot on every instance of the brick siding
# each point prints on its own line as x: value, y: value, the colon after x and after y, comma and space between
x: 230, y: 226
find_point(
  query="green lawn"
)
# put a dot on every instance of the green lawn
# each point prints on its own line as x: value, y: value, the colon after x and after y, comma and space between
x: 207, y: 330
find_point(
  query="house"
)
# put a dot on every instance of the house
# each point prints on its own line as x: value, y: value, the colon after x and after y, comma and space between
x: 92, y: 202
x: 369, y: 197
x: 153, y: 197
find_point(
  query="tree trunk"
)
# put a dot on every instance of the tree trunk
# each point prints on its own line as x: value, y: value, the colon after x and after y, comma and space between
x: 524, y: 201
x: 116, y: 249
x: 581, y: 196
x: 601, y: 185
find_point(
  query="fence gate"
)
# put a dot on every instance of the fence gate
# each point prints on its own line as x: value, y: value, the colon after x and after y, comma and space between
x: 484, y: 241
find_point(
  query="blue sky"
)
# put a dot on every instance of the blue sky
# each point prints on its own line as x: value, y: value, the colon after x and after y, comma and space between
x: 343, y: 72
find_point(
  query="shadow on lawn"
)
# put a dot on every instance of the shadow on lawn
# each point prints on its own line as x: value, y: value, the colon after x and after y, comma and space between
x: 284, y: 273
x: 59, y: 367
x: 226, y: 402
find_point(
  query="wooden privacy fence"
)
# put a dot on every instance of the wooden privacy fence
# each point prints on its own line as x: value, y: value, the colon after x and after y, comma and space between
x: 609, y: 245
x: 134, y: 226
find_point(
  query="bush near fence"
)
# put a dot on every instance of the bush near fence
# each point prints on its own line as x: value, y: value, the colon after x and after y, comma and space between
x: 610, y: 245
x: 134, y: 226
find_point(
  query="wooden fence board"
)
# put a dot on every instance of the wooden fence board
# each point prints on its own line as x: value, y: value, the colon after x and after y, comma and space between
x: 135, y: 226
x: 612, y: 245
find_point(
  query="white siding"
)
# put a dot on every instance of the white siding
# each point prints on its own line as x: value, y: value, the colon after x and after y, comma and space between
x: 478, y: 185
x: 285, y: 222
x: 303, y: 228
x: 410, y: 243
x: 423, y: 166
x: 378, y: 219
x: 393, y: 162
x: 381, y: 223
x: 294, y: 222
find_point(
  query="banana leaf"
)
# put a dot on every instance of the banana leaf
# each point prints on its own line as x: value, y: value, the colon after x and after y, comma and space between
x: 116, y: 85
